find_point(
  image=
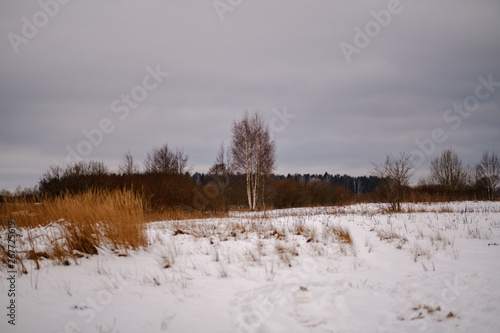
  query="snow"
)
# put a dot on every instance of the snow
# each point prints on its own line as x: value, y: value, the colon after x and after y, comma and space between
x: 282, y: 271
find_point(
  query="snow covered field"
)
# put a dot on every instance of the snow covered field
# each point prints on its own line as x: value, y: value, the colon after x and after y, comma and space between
x: 340, y: 269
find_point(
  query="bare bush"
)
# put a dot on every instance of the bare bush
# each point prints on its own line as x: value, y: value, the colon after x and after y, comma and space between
x: 488, y: 173
x: 395, y: 175
x: 77, y: 177
x: 448, y: 172
x: 163, y: 160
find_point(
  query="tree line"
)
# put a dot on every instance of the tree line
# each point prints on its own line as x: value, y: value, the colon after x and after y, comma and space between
x: 242, y: 175
x: 448, y: 179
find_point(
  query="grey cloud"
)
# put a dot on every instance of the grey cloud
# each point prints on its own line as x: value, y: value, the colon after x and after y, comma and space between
x: 264, y: 55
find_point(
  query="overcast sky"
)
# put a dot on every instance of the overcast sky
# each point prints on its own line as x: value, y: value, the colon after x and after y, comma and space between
x: 342, y: 83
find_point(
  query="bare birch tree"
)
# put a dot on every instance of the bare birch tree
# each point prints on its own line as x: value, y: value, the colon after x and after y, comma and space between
x: 488, y: 173
x: 254, y: 153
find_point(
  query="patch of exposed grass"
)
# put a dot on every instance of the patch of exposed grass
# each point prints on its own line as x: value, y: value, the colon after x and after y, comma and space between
x: 419, y: 251
x: 340, y: 233
x: 473, y: 231
x: 179, y: 214
x: 286, y: 251
x: 309, y: 233
x: 388, y: 234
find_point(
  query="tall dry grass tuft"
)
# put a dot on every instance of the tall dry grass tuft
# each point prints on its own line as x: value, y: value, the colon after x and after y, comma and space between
x: 97, y: 217
x: 341, y: 233
x: 86, y: 221
x: 342, y: 236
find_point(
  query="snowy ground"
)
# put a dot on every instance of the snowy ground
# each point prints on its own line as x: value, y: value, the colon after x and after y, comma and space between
x: 283, y: 271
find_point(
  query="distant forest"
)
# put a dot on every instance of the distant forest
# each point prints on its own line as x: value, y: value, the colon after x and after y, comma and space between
x: 209, y: 192
x: 242, y: 177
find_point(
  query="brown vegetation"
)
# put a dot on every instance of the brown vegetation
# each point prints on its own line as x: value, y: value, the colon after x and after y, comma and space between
x: 74, y: 225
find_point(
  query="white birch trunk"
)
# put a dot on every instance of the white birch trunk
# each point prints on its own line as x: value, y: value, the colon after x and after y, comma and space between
x: 255, y: 190
x: 248, y: 171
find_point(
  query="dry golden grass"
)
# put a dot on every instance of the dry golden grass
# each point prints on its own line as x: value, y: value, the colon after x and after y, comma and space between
x: 341, y: 233
x: 94, y: 217
x: 178, y: 214
x: 25, y: 213
x: 85, y: 222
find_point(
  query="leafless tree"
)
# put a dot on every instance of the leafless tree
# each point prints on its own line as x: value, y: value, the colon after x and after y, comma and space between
x: 163, y: 160
x: 222, y: 167
x: 448, y: 172
x: 128, y: 166
x: 221, y: 172
x: 182, y: 161
x: 488, y: 173
x: 395, y: 176
x: 254, y: 153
